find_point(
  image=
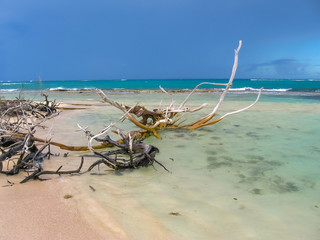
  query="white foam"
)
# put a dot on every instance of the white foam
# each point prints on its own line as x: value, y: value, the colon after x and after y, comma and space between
x: 69, y: 89
x: 14, y: 83
x: 249, y: 89
x: 8, y: 90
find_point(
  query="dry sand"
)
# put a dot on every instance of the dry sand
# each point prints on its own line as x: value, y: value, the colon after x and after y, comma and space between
x: 38, y: 209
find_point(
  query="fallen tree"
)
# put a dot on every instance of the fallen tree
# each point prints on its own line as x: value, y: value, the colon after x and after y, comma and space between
x: 151, y: 122
x: 171, y: 117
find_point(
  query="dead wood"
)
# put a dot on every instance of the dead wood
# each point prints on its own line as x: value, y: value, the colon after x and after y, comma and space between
x: 170, y: 117
x: 21, y: 150
x: 19, y: 120
x: 130, y: 151
x: 37, y: 173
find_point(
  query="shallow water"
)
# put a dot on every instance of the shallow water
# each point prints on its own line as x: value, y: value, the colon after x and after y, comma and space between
x: 254, y: 175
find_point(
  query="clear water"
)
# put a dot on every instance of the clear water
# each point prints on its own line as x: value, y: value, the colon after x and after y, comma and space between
x: 254, y: 175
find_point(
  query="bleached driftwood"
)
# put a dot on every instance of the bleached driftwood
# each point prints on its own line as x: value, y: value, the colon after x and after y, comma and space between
x: 169, y: 117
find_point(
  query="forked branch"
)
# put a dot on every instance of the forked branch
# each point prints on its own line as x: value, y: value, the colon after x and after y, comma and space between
x: 168, y: 117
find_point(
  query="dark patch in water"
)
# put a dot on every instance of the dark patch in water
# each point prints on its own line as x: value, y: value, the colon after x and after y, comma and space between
x: 215, y: 144
x: 252, y: 134
x: 215, y: 163
x: 236, y: 125
x: 256, y: 191
x: 250, y: 180
x: 219, y: 164
x: 183, y: 130
x: 258, y: 172
x: 227, y: 158
x: 282, y: 186
x: 180, y: 146
x: 291, y: 187
x: 252, y: 161
x: 215, y: 138
x: 242, y: 176
x: 255, y: 157
x: 206, y: 129
x: 273, y: 163
x: 211, y: 152
x: 253, y: 149
x: 180, y: 135
x: 212, y: 159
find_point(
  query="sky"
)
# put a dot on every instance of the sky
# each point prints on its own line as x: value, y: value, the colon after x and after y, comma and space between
x: 134, y: 39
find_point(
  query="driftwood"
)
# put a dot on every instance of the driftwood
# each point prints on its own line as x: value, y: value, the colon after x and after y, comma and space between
x: 131, y: 152
x: 18, y: 123
x: 127, y: 155
x: 36, y: 174
x: 20, y: 148
x: 171, y: 117
x: 19, y: 120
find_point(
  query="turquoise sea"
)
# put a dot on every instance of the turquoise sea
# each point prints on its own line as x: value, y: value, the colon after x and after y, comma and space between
x: 275, y: 85
x: 254, y: 175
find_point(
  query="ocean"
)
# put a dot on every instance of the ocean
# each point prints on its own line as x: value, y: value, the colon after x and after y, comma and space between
x: 254, y: 175
x: 273, y: 85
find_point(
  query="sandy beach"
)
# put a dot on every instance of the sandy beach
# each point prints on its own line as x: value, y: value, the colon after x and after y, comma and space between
x: 40, y: 210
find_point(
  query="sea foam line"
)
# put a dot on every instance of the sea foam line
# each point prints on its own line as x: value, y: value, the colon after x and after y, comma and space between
x: 8, y: 90
x: 249, y: 89
x: 69, y: 89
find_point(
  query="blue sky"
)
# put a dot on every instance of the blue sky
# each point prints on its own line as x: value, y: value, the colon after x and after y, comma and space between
x: 114, y: 39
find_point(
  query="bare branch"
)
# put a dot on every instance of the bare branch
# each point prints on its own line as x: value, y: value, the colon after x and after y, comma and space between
x: 228, y: 114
